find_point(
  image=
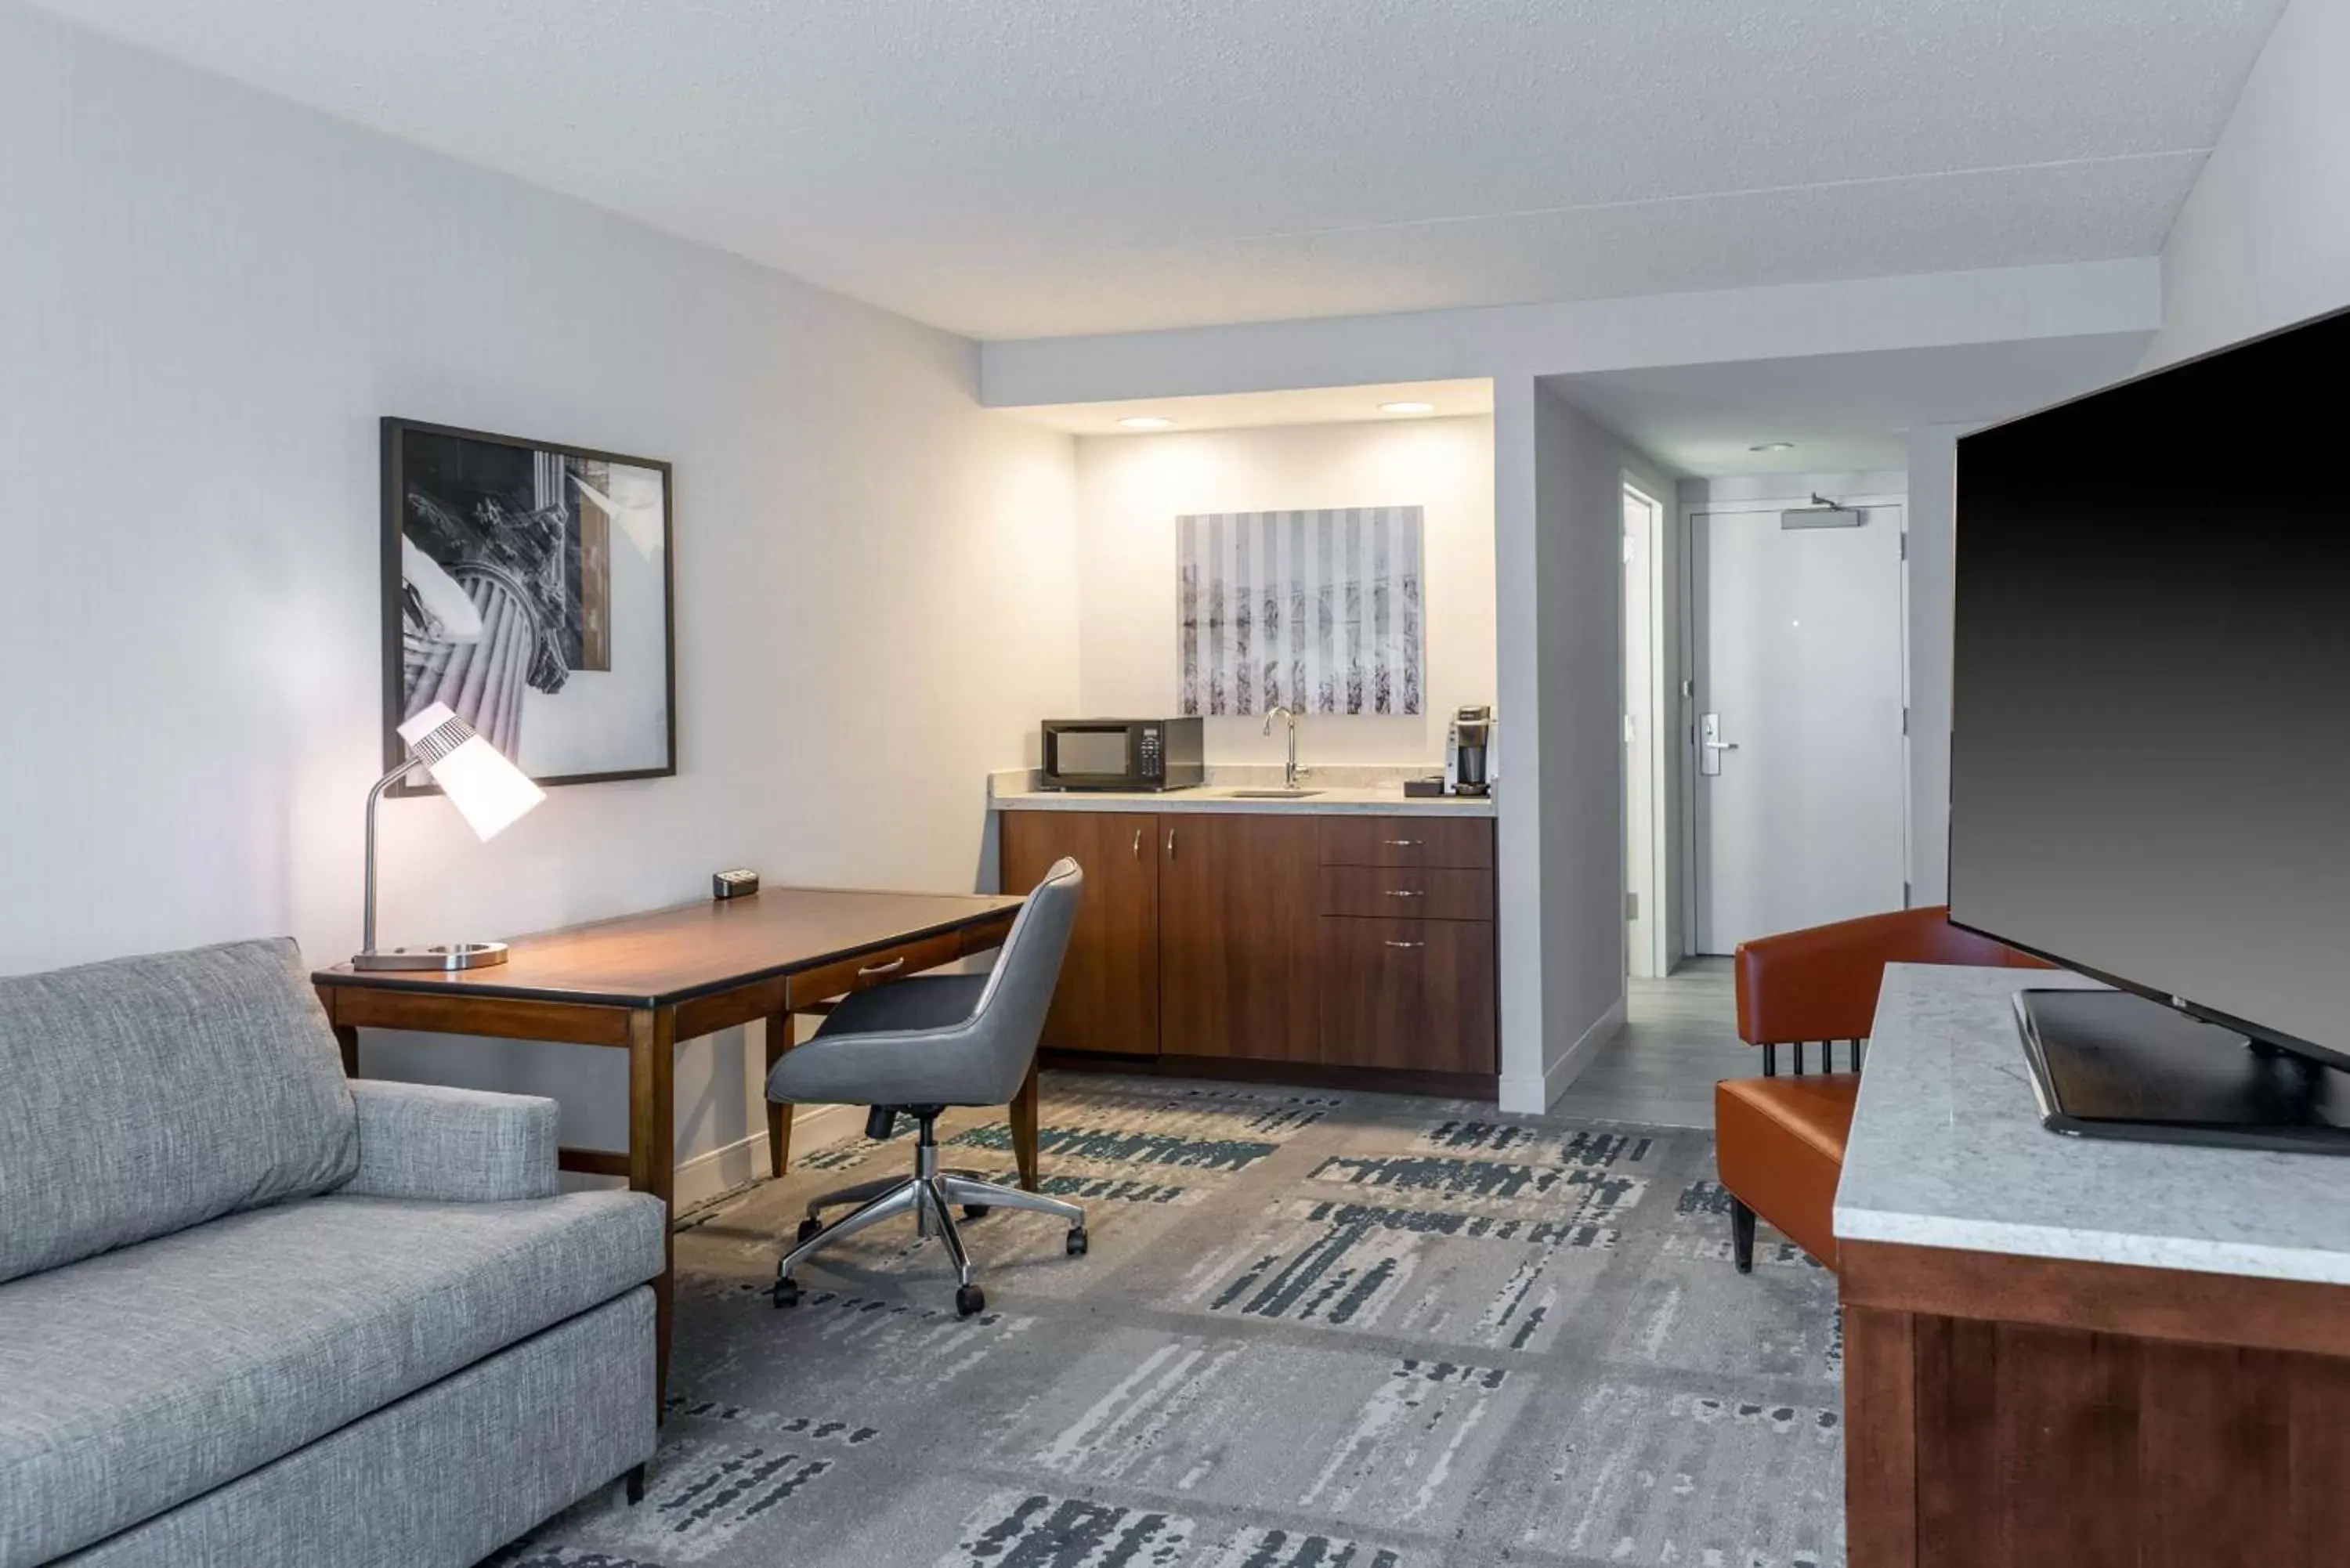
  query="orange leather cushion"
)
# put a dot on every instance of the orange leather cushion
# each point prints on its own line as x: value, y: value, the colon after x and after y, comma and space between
x: 1779, y: 1148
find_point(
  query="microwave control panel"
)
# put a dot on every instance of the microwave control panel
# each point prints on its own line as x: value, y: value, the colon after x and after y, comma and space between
x: 1152, y: 753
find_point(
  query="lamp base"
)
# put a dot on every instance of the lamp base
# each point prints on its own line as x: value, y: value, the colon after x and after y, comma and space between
x: 452, y: 956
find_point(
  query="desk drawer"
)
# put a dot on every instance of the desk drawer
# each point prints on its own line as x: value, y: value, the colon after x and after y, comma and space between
x: 1455, y: 841
x: 879, y: 967
x: 1382, y: 892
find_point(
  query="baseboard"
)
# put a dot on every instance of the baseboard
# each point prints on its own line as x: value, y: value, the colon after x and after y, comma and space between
x: 716, y: 1172
x: 1527, y: 1094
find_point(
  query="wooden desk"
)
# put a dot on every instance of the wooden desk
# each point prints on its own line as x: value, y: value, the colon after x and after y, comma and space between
x: 643, y: 983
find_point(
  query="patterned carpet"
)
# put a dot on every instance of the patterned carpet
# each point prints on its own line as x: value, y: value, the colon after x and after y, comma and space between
x: 1315, y: 1330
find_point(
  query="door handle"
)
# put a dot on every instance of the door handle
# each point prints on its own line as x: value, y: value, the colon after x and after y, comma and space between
x: 1170, y: 844
x: 1711, y: 745
x: 892, y: 967
x: 1138, y: 843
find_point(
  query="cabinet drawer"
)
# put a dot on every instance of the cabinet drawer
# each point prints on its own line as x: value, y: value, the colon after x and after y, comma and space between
x: 1455, y: 841
x: 1416, y: 994
x: 879, y: 967
x: 1383, y: 892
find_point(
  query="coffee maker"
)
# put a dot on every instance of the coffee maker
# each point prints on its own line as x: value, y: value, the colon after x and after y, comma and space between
x: 1468, y: 756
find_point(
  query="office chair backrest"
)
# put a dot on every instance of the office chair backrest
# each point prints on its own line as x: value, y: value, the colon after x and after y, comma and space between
x: 1010, y: 1017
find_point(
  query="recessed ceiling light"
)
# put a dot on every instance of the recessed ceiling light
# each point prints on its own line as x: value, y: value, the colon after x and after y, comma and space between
x: 1773, y: 446
x: 1408, y: 407
x: 1144, y: 422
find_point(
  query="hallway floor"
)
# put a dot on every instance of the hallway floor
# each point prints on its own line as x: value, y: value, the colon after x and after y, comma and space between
x: 1680, y: 1036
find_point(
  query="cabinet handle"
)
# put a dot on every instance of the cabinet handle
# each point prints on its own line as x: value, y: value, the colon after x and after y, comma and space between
x: 1170, y: 844
x: 1402, y: 843
x: 1138, y: 843
x: 1407, y: 892
x: 1393, y: 943
x: 892, y: 967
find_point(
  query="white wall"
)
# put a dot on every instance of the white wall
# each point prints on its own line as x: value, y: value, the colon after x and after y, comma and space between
x: 1791, y: 320
x: 1561, y: 871
x: 1130, y: 490
x: 208, y: 297
x: 2264, y: 239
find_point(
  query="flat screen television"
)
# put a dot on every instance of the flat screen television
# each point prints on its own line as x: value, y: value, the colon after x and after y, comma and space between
x: 2150, y: 738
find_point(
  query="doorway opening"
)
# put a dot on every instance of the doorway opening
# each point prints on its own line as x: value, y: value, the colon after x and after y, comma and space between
x: 1650, y: 722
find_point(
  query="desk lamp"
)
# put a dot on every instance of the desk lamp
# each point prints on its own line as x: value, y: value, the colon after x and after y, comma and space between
x: 487, y: 790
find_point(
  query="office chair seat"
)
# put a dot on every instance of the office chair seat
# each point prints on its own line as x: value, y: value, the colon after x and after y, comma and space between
x: 916, y: 1047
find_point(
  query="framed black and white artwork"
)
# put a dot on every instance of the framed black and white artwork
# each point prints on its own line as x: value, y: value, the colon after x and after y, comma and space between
x: 1319, y: 612
x: 528, y: 587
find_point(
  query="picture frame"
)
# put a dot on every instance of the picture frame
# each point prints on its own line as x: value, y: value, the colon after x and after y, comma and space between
x: 531, y: 586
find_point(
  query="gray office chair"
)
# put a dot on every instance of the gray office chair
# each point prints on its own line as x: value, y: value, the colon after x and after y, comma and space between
x: 916, y: 1047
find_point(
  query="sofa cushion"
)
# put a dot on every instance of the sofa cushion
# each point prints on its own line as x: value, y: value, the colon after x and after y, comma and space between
x: 147, y: 1094
x: 136, y: 1380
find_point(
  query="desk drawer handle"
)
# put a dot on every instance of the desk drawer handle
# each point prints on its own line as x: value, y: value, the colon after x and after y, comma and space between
x: 1407, y: 892
x: 1393, y: 943
x: 1402, y: 843
x: 892, y: 967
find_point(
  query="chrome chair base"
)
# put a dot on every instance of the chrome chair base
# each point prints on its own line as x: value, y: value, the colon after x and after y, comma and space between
x: 931, y: 1196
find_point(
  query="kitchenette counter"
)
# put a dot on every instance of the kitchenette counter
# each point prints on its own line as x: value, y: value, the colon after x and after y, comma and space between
x: 1337, y: 791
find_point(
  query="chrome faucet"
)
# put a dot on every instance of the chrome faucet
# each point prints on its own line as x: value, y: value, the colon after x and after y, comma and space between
x: 1278, y: 710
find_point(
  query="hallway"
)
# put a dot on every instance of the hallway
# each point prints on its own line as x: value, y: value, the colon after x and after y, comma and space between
x: 1680, y: 1036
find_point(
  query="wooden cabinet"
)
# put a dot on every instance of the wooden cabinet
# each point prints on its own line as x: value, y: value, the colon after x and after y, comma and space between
x: 1416, y: 995
x: 1107, y: 1000
x: 1237, y: 916
x: 1335, y: 941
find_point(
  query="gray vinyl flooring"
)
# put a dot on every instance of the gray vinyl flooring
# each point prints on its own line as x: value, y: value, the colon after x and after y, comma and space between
x: 1680, y: 1036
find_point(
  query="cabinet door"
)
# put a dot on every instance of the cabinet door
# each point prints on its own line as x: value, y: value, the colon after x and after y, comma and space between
x: 1107, y: 999
x: 1237, y: 918
x: 1409, y: 993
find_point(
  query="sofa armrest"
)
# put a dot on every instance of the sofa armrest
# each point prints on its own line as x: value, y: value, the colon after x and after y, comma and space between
x: 452, y: 1146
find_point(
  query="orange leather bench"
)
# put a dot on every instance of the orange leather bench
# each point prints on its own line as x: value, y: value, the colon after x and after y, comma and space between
x: 1779, y: 1139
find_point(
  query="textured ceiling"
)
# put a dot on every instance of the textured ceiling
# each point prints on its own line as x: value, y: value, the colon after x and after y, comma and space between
x: 1839, y: 411
x: 1010, y: 168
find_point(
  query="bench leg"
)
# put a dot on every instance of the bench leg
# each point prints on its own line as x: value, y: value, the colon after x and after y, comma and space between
x: 1741, y: 1236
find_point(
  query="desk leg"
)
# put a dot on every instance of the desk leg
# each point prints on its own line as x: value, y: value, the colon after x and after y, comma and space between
x: 348, y: 1039
x: 1024, y: 1129
x: 653, y: 1159
x: 779, y: 1118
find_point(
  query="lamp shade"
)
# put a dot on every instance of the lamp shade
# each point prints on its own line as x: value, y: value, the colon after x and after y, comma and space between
x: 490, y: 792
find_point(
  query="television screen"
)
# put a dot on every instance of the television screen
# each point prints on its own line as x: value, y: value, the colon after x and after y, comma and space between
x: 2150, y: 746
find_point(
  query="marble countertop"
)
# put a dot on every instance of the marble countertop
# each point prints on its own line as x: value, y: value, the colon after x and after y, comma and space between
x: 1947, y: 1150
x: 1362, y: 791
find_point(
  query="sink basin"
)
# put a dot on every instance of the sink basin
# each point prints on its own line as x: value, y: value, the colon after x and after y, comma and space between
x: 1271, y: 794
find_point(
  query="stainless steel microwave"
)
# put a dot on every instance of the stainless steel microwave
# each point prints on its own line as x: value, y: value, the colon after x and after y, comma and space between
x: 1124, y: 754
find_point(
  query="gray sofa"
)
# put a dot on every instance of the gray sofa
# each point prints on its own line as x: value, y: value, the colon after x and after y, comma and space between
x: 255, y: 1314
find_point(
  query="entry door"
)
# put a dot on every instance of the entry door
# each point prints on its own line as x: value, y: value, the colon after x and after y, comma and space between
x: 1800, y: 766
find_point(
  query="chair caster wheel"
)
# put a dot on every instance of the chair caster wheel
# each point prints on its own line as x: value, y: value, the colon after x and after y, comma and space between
x: 975, y: 1210
x: 1078, y: 1240
x: 970, y: 1299
x: 809, y: 1228
x: 788, y: 1292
